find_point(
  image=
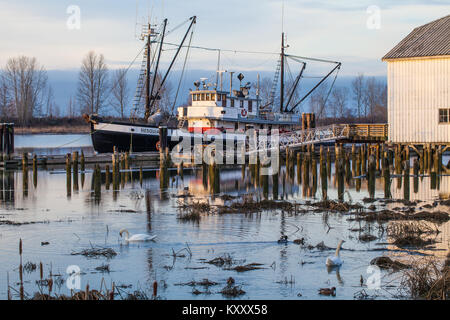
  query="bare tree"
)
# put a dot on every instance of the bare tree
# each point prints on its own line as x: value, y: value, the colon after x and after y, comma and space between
x: 318, y: 101
x: 5, y: 99
x: 50, y: 103
x: 358, y: 85
x: 92, y: 83
x: 375, y: 97
x: 338, y: 102
x: 26, y: 82
x: 70, y: 108
x: 120, y: 91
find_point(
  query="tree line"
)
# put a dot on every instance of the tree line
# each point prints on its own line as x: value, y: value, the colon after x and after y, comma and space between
x: 25, y: 94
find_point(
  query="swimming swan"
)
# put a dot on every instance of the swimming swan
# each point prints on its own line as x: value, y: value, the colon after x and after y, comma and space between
x: 336, y: 260
x: 136, y: 237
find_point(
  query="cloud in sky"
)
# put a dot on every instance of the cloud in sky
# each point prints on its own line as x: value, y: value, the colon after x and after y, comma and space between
x: 320, y: 28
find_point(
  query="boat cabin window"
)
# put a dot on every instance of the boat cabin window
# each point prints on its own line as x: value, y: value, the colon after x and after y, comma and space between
x: 236, y: 126
x: 224, y: 100
x: 213, y: 97
x: 242, y: 103
x: 203, y: 97
x: 232, y: 103
x: 250, y: 107
x: 194, y: 97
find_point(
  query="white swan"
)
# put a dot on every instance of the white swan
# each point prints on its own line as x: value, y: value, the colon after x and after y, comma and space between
x: 335, y: 260
x: 136, y: 237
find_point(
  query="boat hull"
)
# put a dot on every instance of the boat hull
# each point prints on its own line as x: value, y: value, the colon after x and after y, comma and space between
x: 139, y: 138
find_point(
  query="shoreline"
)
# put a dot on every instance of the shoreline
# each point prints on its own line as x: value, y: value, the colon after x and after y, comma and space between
x: 77, y: 129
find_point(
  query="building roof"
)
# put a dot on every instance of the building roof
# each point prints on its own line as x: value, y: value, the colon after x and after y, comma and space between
x: 432, y: 39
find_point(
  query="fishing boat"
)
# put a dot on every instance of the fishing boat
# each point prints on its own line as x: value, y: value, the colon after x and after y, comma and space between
x: 212, y: 113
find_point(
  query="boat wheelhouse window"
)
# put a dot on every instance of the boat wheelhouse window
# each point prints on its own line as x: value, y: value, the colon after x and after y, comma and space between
x: 194, y: 97
x: 213, y: 97
x: 208, y: 97
x: 224, y: 100
x: 203, y: 96
x: 250, y: 106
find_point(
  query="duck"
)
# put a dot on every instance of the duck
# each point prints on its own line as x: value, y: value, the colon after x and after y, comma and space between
x: 336, y: 259
x: 283, y: 239
x: 136, y: 237
x: 328, y: 291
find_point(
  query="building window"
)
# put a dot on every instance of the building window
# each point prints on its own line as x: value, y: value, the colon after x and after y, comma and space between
x: 444, y: 115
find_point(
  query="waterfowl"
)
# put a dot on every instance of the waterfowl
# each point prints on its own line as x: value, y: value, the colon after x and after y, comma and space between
x: 136, y: 237
x: 283, y: 239
x: 328, y: 291
x: 335, y: 260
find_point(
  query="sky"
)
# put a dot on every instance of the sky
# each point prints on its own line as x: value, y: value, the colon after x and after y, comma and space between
x: 336, y: 30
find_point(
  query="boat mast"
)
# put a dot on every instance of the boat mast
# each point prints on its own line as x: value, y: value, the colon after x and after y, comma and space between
x: 147, y: 96
x: 282, y: 74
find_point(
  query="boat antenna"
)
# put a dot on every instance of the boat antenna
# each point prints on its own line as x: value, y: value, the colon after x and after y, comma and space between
x: 147, y: 75
x: 282, y: 74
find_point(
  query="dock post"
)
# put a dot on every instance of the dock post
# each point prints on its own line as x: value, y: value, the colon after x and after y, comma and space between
x: 358, y: 171
x: 275, y: 185
x: 75, y: 170
x: 107, y: 177
x: 386, y: 177
x: 25, y: 174
x: 371, y: 176
x: 363, y: 160
x: 97, y: 183
x: 35, y: 171
x: 406, y: 191
x: 82, y: 168
x: 348, y: 172
x: 314, y: 176
x: 299, y: 168
x: 324, y: 179
x: 416, y: 168
x: 340, y: 178
x: 180, y: 170
x: 68, y: 175
x: 328, y: 162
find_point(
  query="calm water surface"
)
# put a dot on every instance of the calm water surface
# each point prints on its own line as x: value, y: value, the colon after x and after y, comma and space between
x: 77, y: 222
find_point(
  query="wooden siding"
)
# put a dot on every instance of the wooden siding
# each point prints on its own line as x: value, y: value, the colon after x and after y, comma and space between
x: 417, y: 89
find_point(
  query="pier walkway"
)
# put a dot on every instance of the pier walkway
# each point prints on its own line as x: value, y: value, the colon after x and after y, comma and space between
x: 336, y: 133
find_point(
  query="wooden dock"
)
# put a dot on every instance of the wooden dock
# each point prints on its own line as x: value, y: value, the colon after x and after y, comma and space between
x: 16, y: 161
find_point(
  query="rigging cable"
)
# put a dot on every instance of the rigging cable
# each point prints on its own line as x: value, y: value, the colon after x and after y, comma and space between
x: 184, y: 67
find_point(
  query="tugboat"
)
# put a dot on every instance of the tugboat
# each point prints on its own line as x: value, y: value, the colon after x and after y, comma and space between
x: 212, y: 111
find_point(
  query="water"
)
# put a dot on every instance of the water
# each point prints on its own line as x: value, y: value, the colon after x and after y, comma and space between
x: 53, y: 144
x: 74, y: 223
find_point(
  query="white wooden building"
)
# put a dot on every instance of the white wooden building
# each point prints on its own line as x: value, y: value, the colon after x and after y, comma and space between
x: 419, y: 86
